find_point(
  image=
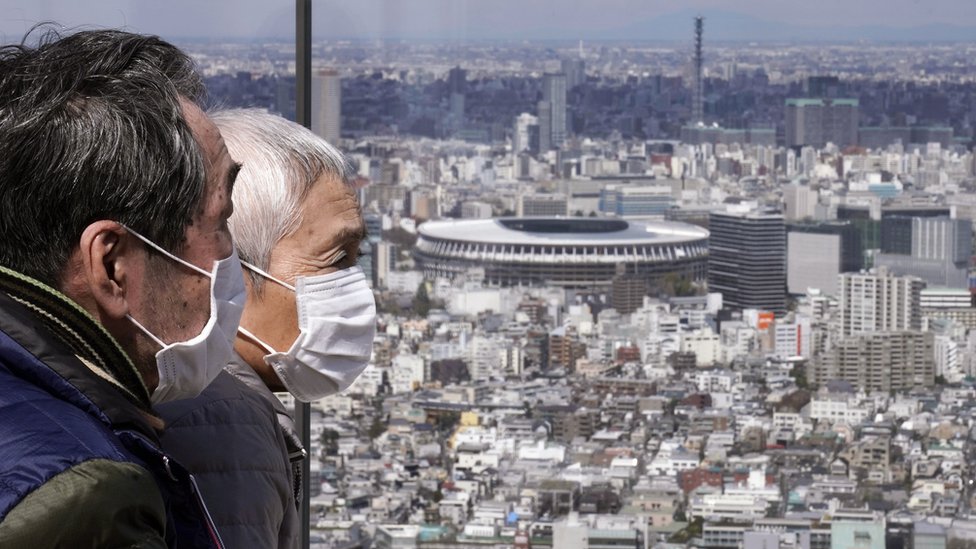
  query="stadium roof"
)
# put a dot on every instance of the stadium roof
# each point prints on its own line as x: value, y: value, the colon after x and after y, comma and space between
x: 561, y: 231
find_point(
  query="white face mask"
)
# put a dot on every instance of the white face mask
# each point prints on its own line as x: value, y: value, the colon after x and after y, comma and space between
x: 187, y: 367
x: 337, y: 319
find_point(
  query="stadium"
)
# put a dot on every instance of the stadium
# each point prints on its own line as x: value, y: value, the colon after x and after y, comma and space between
x: 561, y: 251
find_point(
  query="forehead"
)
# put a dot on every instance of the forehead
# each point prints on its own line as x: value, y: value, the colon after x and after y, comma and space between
x: 208, y: 137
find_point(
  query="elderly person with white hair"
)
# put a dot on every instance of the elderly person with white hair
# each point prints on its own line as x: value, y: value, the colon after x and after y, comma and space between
x: 307, y: 328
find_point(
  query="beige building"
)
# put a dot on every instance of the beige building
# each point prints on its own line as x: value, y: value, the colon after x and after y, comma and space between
x: 879, y: 361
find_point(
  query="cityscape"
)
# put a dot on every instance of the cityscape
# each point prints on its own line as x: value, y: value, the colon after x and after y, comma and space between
x: 649, y: 295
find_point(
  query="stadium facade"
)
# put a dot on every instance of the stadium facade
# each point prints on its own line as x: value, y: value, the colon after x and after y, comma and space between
x: 561, y: 251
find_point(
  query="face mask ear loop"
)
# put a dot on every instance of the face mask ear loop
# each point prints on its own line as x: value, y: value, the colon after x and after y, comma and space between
x: 267, y: 275
x: 145, y: 331
x: 256, y: 340
x: 160, y: 249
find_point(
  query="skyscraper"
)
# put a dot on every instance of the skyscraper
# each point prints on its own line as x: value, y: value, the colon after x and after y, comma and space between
x: 457, y: 83
x: 544, y: 111
x: 457, y: 80
x: 554, y: 94
x: 816, y: 122
x: 747, y: 260
x: 575, y: 71
x: 521, y: 136
x: 327, y: 105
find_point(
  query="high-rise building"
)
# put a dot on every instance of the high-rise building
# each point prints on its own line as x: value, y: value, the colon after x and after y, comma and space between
x: 575, y: 71
x: 800, y: 202
x: 521, y: 137
x: 327, y: 105
x: 942, y: 239
x: 823, y: 86
x: 816, y: 122
x: 896, y: 235
x: 747, y: 260
x: 818, y: 252
x: 457, y: 80
x: 384, y: 261
x: 554, y: 94
x: 879, y: 302
x: 938, y: 249
x: 544, y: 112
x: 879, y: 361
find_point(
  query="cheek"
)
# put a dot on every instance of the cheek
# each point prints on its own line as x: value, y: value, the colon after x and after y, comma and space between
x: 272, y: 315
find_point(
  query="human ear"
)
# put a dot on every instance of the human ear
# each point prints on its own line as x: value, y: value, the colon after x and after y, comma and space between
x: 107, y: 259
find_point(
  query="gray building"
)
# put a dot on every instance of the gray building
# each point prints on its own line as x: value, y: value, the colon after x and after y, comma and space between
x: 818, y: 252
x: 554, y: 95
x: 938, y: 249
x: 816, y: 122
x: 327, y: 105
x: 747, y: 260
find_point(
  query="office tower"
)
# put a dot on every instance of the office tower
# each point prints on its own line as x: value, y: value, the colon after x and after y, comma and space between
x: 575, y: 71
x: 938, y: 252
x: 823, y: 86
x: 544, y: 111
x: 554, y: 95
x: 818, y: 252
x: 879, y: 361
x: 457, y: 109
x: 896, y: 235
x: 942, y: 239
x: 747, y: 260
x: 627, y: 201
x: 285, y: 97
x: 327, y: 105
x: 816, y: 122
x: 383, y: 261
x: 457, y: 80
x: 521, y: 137
x: 697, y: 108
x: 879, y: 302
x: 800, y: 202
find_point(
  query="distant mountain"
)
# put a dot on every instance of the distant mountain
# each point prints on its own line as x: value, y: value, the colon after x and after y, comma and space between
x: 721, y: 26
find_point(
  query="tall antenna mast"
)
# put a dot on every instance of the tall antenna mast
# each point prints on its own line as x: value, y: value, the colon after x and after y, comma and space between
x: 698, y: 112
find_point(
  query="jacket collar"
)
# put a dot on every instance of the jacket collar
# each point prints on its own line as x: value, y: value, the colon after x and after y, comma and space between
x: 68, y: 340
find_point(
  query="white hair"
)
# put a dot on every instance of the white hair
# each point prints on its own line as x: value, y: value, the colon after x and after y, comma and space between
x: 282, y: 160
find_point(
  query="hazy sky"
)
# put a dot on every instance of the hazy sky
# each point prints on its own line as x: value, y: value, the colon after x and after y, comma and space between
x: 504, y: 19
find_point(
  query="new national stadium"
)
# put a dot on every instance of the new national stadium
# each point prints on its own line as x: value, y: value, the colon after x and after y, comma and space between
x: 561, y: 251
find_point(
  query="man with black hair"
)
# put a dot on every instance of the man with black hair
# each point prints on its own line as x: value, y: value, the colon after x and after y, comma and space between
x: 119, y: 287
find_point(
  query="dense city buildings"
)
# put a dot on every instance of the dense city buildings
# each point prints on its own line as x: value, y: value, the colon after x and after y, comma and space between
x: 607, y: 323
x: 621, y: 305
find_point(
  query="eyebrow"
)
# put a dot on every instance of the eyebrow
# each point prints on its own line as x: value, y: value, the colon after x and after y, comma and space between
x: 347, y: 233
